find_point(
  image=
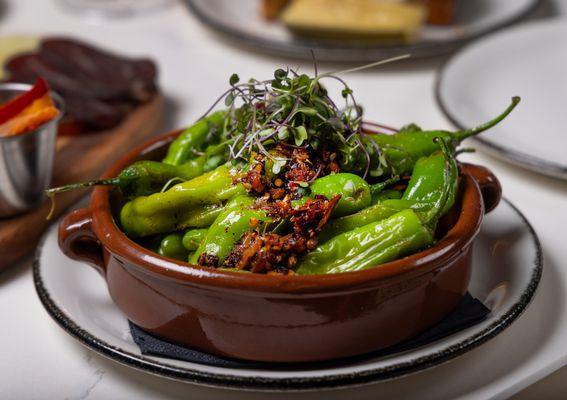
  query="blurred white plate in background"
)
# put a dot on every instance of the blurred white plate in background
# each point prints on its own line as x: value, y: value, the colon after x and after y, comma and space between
x: 240, y: 22
x: 529, y: 61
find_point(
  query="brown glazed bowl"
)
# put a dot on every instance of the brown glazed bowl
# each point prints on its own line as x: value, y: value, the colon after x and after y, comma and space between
x: 279, y: 318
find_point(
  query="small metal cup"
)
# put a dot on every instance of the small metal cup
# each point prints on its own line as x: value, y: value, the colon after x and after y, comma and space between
x: 26, y: 160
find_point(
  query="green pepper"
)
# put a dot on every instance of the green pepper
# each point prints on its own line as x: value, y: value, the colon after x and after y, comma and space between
x: 389, y: 194
x: 240, y: 201
x: 147, y: 177
x: 369, y: 245
x: 429, y: 180
x: 226, y: 231
x: 370, y: 214
x: 171, y: 246
x: 402, y: 149
x: 400, y: 233
x: 442, y: 192
x: 192, y: 139
x: 378, y: 190
x: 202, y: 217
x: 174, y: 209
x: 205, y: 216
x: 354, y: 191
x: 193, y: 237
x: 434, y: 179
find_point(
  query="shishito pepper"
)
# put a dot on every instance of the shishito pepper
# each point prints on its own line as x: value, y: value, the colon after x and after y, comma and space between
x: 203, y: 217
x: 182, y: 162
x: 370, y: 214
x: 175, y: 208
x: 401, y: 150
x: 172, y: 246
x: 354, y: 191
x: 428, y: 181
x: 228, y: 228
x: 369, y: 245
x: 192, y: 238
x: 387, y: 239
x: 432, y: 176
x: 404, y: 148
x: 146, y: 177
x: 379, y: 192
x: 193, y: 138
x: 388, y: 194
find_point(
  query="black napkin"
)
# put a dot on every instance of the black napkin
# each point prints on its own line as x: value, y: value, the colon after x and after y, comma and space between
x: 468, y: 312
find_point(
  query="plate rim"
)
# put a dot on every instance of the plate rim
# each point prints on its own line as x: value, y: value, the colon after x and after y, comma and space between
x: 516, y: 157
x: 145, y: 364
x: 300, y: 49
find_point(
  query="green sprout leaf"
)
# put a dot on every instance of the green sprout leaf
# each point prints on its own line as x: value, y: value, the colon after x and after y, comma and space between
x: 336, y: 124
x: 280, y: 74
x: 300, y: 135
x: 229, y: 99
x: 346, y: 92
x: 266, y: 132
x: 307, y: 111
x: 283, y: 133
x: 303, y: 81
x: 234, y: 79
x: 279, y: 163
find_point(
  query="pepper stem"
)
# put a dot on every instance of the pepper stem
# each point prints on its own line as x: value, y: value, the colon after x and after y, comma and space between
x: 51, y: 193
x: 378, y: 187
x: 462, y: 135
x: 464, y: 150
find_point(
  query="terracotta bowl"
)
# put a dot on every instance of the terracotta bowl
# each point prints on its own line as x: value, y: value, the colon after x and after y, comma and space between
x: 279, y: 318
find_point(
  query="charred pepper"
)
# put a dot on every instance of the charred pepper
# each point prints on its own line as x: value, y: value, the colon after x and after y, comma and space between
x: 175, y: 208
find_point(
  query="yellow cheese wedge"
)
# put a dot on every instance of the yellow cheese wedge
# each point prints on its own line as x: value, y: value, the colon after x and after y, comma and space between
x: 357, y: 19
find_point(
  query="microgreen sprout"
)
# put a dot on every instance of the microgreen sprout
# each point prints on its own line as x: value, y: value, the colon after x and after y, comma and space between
x: 296, y: 109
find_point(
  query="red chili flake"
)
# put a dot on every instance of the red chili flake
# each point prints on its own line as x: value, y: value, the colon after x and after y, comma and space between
x: 276, y: 253
x: 273, y: 252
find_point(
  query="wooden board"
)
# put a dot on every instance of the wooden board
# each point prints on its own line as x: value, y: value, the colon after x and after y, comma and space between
x: 78, y: 158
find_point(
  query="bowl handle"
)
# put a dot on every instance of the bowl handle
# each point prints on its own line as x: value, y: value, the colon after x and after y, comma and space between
x: 488, y: 183
x: 78, y: 241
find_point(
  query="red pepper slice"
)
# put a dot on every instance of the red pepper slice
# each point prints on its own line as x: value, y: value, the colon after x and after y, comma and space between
x: 15, y: 106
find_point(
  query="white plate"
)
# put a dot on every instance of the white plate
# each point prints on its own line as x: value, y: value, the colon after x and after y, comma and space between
x: 529, y: 61
x: 241, y: 22
x: 507, y: 269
